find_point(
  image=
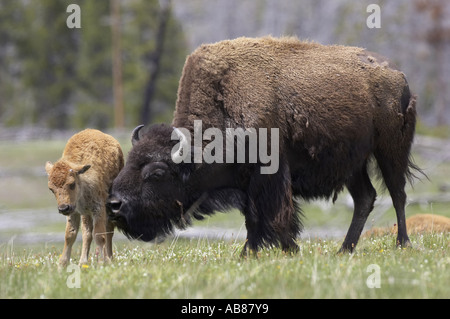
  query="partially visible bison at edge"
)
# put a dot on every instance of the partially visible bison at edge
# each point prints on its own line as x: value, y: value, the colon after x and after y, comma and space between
x: 337, y: 108
x: 80, y: 181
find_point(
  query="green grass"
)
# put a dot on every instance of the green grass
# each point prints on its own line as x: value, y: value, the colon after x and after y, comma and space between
x: 200, y: 268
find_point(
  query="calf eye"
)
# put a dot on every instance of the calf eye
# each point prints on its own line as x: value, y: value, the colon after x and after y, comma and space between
x: 72, y: 186
x: 51, y: 190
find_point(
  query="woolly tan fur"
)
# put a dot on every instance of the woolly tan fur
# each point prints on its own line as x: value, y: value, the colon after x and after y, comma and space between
x: 80, y: 181
x: 417, y: 224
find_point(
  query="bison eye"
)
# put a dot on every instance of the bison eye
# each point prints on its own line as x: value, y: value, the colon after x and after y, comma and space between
x: 72, y: 186
x: 157, y: 173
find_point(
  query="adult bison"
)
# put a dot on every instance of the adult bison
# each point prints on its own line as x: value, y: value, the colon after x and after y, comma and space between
x: 334, y: 107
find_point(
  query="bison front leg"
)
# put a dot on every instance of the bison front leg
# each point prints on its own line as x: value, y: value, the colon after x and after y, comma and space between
x: 72, y: 226
x: 270, y: 215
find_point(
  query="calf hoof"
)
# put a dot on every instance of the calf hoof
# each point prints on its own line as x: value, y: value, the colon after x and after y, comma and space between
x: 63, y: 262
x: 83, y: 261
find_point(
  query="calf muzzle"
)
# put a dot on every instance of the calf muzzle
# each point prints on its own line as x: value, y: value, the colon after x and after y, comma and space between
x: 65, y: 209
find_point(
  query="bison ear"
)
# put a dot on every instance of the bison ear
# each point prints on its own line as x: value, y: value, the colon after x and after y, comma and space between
x: 48, y: 167
x: 135, y: 135
x: 83, y: 169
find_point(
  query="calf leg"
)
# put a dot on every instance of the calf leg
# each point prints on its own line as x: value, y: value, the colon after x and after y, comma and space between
x: 72, y: 226
x: 101, y: 235
x: 109, y: 236
x: 86, y: 221
x: 364, y: 196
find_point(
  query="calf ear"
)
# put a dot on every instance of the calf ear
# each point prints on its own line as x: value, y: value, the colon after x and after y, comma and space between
x: 48, y: 167
x: 84, y: 169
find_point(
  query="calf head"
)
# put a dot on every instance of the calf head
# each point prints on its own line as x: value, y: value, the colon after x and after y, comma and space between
x: 64, y: 183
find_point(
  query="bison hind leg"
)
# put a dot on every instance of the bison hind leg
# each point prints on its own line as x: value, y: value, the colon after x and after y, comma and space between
x: 364, y: 195
x: 394, y: 176
x: 395, y: 163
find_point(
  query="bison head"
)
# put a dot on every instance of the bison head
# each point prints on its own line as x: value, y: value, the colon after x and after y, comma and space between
x: 64, y: 182
x: 149, y: 197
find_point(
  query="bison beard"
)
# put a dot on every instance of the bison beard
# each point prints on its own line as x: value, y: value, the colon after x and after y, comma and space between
x: 336, y: 108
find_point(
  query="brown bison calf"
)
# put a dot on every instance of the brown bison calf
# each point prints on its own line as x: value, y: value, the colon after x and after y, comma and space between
x: 80, y: 181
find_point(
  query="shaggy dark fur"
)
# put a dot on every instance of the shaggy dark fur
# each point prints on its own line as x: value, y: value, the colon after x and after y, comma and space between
x: 336, y: 108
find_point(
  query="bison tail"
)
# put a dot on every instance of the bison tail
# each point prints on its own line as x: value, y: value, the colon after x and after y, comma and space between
x: 393, y: 147
x: 408, y: 129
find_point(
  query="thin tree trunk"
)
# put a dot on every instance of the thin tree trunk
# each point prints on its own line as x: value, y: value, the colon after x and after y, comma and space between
x: 155, y: 62
x: 117, y: 64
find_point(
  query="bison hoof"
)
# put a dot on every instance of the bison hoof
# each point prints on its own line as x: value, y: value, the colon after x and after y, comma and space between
x: 404, y: 243
x: 345, y: 249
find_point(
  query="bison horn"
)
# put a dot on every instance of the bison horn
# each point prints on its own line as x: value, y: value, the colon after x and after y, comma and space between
x: 179, y: 155
x: 135, y: 134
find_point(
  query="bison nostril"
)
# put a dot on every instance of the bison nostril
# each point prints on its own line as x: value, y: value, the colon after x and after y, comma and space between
x: 114, y: 205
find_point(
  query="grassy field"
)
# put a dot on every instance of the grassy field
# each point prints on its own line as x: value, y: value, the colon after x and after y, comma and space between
x: 200, y: 268
x: 205, y: 268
